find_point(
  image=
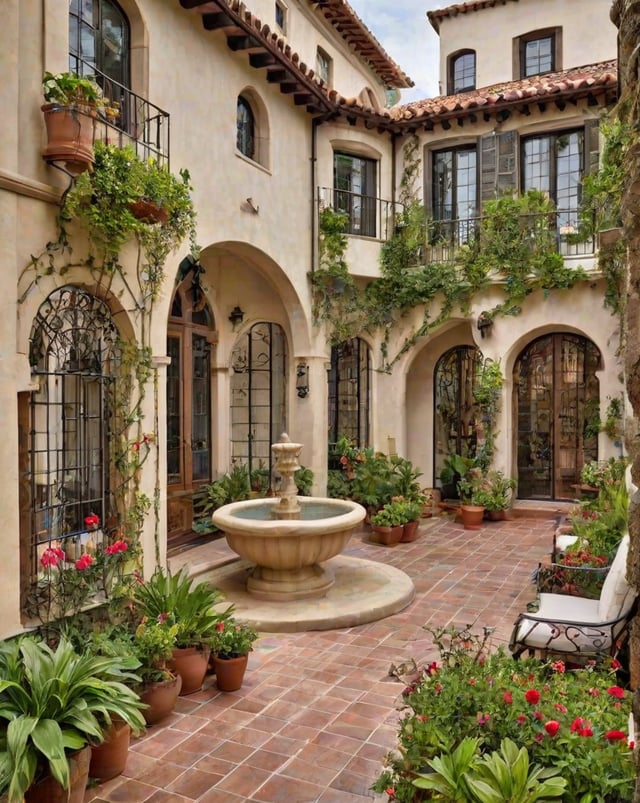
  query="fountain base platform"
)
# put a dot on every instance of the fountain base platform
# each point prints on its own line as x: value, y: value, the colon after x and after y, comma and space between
x: 362, y: 591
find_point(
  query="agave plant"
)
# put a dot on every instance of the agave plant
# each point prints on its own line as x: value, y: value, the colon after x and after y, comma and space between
x: 54, y: 701
x: 183, y: 602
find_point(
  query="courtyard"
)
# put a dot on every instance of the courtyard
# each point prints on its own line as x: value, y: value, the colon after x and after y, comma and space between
x: 318, y: 710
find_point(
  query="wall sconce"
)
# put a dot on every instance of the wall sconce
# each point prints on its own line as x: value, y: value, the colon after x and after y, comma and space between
x: 485, y: 322
x: 236, y: 316
x: 302, y: 380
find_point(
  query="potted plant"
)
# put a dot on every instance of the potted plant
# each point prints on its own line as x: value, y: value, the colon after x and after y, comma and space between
x: 69, y: 114
x: 154, y: 642
x: 387, y: 524
x: 54, y: 703
x: 455, y: 468
x: 413, y: 511
x: 231, y: 645
x: 179, y: 600
x: 495, y: 494
x: 470, y: 489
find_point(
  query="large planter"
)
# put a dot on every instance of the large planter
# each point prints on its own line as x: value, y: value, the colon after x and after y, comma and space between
x: 191, y: 664
x: 70, y: 133
x: 160, y: 699
x: 148, y: 211
x: 409, y: 531
x: 48, y: 790
x: 472, y: 516
x: 387, y: 536
x: 110, y: 758
x: 230, y: 672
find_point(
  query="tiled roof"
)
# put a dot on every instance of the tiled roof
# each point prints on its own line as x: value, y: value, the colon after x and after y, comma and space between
x: 462, y: 8
x: 351, y: 28
x: 558, y: 86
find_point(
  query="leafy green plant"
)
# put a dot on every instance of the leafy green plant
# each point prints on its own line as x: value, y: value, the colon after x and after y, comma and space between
x: 52, y: 701
x: 181, y: 601
x: 232, y: 639
x: 153, y: 643
x: 70, y: 89
x: 393, y: 514
x: 496, y: 491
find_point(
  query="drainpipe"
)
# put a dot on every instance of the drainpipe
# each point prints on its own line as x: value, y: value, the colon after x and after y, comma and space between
x: 315, y: 123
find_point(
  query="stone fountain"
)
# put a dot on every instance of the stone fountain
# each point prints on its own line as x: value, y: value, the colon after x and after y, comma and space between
x: 288, y: 538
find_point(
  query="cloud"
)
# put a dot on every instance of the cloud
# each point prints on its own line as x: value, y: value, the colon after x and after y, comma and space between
x: 405, y: 33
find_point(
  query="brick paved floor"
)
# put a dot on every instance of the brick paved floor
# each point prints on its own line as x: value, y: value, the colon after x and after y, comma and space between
x: 318, y: 710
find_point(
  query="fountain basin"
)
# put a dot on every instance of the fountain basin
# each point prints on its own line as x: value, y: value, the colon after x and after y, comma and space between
x: 287, y: 553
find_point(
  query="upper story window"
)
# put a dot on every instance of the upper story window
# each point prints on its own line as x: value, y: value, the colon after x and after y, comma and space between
x: 462, y: 72
x: 323, y: 66
x: 354, y: 182
x: 454, y: 194
x: 99, y: 38
x: 554, y: 164
x: 245, y: 128
x: 281, y: 16
x: 537, y: 52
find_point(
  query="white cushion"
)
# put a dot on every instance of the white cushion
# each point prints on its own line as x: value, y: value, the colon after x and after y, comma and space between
x: 564, y: 541
x: 616, y: 597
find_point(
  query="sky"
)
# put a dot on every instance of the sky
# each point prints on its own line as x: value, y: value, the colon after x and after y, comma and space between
x: 402, y: 28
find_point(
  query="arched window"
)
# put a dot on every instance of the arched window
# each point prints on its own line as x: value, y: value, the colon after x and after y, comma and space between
x: 350, y: 392
x: 245, y: 128
x: 99, y: 40
x: 455, y: 414
x: 258, y: 398
x: 68, y: 429
x: 462, y: 71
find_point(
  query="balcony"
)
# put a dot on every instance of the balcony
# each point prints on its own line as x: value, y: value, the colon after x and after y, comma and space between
x: 368, y: 216
x: 139, y: 123
x: 445, y: 237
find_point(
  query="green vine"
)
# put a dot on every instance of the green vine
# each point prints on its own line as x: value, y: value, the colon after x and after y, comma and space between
x: 487, y: 393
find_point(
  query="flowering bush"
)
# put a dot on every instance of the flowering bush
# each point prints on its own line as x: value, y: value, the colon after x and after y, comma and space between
x: 574, y: 721
x: 578, y: 573
x: 232, y: 639
x: 153, y: 643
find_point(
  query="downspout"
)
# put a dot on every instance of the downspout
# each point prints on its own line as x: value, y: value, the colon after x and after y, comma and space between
x: 394, y: 137
x: 315, y: 123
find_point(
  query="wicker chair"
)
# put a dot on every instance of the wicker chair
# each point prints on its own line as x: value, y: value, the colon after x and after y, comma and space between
x: 575, y: 627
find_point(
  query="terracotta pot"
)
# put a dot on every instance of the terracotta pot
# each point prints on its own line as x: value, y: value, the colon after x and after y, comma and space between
x: 472, y: 516
x: 70, y: 133
x: 110, y: 758
x: 148, y: 211
x: 387, y: 536
x: 230, y: 672
x: 48, y: 790
x: 409, y: 531
x: 496, y: 515
x: 160, y: 698
x: 191, y: 664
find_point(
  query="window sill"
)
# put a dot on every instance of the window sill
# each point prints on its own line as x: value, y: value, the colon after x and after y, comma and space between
x: 253, y: 163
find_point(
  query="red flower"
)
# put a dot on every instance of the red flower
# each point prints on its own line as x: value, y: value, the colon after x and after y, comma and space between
x: 162, y: 618
x: 615, y: 664
x: 616, y: 691
x: 532, y: 696
x: 552, y: 727
x: 558, y: 666
x: 615, y: 736
x: 91, y: 520
x: 84, y: 562
x: 52, y: 556
x: 561, y: 708
x: 390, y: 792
x: 521, y: 719
x: 117, y: 546
x: 432, y: 668
x: 507, y: 697
x: 220, y: 627
x: 585, y: 731
x: 576, y: 724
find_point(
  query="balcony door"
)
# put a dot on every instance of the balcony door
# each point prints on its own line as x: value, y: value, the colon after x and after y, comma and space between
x: 190, y: 339
x: 355, y: 190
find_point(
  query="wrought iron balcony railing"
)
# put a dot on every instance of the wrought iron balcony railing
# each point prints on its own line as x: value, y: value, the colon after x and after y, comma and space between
x: 368, y: 216
x: 445, y: 237
x: 137, y: 122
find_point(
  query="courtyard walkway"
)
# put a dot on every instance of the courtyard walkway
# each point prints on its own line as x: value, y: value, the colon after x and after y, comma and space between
x: 318, y: 710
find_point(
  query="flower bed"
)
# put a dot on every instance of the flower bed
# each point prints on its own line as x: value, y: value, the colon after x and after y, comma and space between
x: 572, y: 721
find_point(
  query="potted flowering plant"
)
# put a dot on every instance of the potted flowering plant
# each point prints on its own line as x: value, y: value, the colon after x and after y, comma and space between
x: 231, y: 645
x: 387, y: 524
x: 575, y: 721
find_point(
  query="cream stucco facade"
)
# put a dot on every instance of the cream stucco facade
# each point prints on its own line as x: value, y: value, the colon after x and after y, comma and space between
x: 257, y: 219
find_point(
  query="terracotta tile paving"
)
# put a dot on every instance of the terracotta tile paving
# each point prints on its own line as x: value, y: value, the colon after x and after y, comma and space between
x: 317, y: 712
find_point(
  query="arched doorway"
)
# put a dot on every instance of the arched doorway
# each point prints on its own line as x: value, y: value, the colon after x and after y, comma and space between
x: 556, y: 395
x: 455, y: 410
x: 190, y: 337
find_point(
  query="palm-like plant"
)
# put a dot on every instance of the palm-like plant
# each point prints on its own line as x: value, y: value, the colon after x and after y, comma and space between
x: 185, y: 603
x: 52, y: 701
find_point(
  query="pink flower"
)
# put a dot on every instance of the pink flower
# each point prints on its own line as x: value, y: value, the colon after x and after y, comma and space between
x: 538, y: 715
x: 558, y: 666
x: 483, y: 718
x: 561, y: 708
x: 615, y: 736
x: 521, y: 719
x: 507, y: 697
x: 616, y: 691
x: 117, y: 546
x: 552, y: 727
x: 52, y: 556
x: 83, y: 563
x: 532, y: 696
x: 220, y: 627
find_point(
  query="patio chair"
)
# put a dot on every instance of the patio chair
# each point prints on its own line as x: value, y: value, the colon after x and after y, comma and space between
x: 577, y: 626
